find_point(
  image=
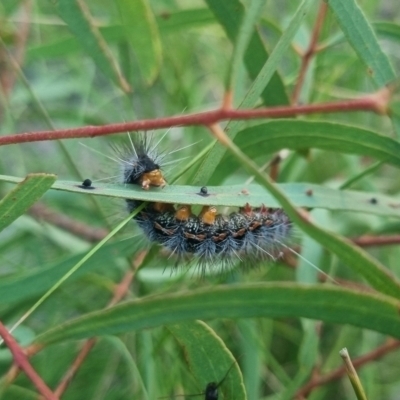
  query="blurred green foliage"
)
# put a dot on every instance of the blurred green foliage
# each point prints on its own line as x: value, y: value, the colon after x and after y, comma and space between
x: 98, y: 62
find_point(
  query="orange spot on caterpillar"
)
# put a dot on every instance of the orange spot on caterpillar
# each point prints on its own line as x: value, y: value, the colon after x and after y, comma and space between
x: 208, y: 214
x: 183, y: 213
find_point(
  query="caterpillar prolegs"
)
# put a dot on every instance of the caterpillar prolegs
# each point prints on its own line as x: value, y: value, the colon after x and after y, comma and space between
x: 249, y: 234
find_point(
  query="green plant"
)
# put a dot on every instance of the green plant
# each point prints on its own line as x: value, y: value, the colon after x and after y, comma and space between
x: 332, y: 147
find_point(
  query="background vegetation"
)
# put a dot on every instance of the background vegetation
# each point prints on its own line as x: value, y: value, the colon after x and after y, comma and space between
x: 68, y: 64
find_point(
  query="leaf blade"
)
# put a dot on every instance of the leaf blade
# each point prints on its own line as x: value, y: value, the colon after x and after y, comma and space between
x: 17, y: 288
x: 77, y: 16
x: 214, y: 156
x: 229, y: 14
x: 198, y: 341
x: 301, y: 194
x: 27, y: 192
x: 270, y: 300
x: 140, y: 25
x: 361, y: 36
x: 271, y: 136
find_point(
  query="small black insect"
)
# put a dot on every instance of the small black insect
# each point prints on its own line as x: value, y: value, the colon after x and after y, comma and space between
x: 211, y: 391
x: 86, y: 184
x: 373, y: 200
x: 203, y: 191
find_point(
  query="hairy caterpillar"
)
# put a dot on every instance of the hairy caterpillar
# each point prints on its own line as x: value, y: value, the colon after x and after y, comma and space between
x: 248, y: 235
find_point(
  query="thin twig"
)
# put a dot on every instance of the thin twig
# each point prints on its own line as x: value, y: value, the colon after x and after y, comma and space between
x: 76, y: 364
x: 388, y: 347
x: 369, y: 240
x: 21, y: 360
x: 352, y: 374
x: 274, y: 165
x: 376, y: 102
x: 42, y: 212
x: 311, y: 50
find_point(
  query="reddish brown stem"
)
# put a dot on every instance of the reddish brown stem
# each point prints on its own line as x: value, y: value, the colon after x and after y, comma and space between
x: 311, y: 50
x: 376, y: 102
x: 274, y: 165
x: 368, y: 241
x: 379, y: 352
x: 41, y: 212
x: 73, y: 369
x: 21, y: 360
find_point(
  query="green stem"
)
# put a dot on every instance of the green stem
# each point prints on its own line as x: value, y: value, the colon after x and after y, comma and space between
x: 352, y: 374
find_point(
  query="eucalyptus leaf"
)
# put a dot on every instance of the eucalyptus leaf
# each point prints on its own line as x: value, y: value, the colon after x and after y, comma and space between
x: 269, y: 300
x: 301, y: 194
x: 24, y: 195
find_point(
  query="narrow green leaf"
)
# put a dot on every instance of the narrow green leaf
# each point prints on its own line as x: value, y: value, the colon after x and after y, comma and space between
x: 367, y: 171
x: 389, y: 30
x: 271, y: 300
x: 373, y: 271
x: 133, y: 373
x: 198, y: 342
x: 211, y: 161
x: 77, y: 16
x: 141, y: 28
x: 184, y: 19
x: 18, y: 393
x: 230, y: 14
x: 244, y: 35
x: 27, y: 192
x: 384, y: 29
x: 301, y: 194
x: 175, y: 22
x: 252, y: 353
x: 361, y: 36
x: 271, y: 136
x: 76, y: 267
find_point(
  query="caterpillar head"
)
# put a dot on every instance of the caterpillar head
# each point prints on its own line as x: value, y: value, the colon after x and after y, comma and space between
x: 152, y: 178
x: 140, y: 169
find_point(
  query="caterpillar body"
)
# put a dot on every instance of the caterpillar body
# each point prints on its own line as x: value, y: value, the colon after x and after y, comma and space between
x: 248, y: 235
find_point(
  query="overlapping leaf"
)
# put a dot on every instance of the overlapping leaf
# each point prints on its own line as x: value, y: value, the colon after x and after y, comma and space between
x: 271, y: 300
